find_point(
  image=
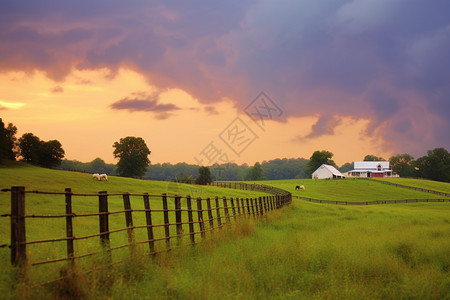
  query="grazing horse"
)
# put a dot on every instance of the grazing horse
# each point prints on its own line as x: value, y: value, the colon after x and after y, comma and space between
x: 301, y: 187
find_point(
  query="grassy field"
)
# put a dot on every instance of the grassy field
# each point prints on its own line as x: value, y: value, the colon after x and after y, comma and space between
x: 421, y: 183
x: 34, y: 178
x: 357, y: 190
x: 303, y: 251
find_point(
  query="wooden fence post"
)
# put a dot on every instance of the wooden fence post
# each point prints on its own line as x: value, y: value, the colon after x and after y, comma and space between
x: 148, y: 218
x: 238, y: 207
x: 261, y: 212
x: 225, y: 207
x: 166, y: 221
x: 18, y: 237
x: 69, y: 226
x: 233, y: 208
x: 191, y: 219
x: 248, y: 206
x: 200, y: 217
x: 128, y: 217
x: 103, y: 218
x: 178, y: 218
x: 265, y: 204
x: 219, y: 218
x: 210, y: 215
x: 253, y: 208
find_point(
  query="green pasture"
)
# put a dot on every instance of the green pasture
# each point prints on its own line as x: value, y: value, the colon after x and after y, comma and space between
x: 437, y: 186
x: 356, y: 190
x: 47, y: 180
x: 304, y: 251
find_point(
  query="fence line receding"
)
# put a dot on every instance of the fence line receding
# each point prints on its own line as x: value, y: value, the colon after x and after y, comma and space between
x: 161, y: 222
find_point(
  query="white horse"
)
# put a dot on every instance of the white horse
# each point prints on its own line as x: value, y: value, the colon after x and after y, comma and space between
x: 96, y: 176
x: 103, y: 176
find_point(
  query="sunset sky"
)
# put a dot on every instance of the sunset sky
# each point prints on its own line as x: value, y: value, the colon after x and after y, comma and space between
x: 239, y: 81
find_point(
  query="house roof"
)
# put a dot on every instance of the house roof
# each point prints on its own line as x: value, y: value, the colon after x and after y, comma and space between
x: 370, y: 165
x: 332, y: 169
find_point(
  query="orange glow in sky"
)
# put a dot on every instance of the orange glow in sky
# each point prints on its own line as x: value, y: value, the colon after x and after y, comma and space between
x: 77, y: 111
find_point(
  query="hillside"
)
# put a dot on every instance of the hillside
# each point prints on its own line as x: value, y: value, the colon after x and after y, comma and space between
x: 355, y: 190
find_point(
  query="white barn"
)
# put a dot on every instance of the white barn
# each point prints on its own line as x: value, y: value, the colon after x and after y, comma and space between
x: 326, y: 172
x: 371, y: 169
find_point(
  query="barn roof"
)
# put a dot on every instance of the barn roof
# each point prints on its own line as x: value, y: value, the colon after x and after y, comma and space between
x: 332, y: 169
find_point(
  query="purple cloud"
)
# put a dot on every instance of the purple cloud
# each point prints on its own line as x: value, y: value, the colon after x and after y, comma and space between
x: 364, y: 59
x: 145, y: 103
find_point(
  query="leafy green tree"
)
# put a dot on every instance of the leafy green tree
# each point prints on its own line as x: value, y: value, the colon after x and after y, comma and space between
x: 403, y: 164
x: 318, y: 158
x: 371, y: 157
x: 255, y: 173
x: 29, y: 147
x: 45, y: 154
x: 133, y: 156
x: 50, y: 153
x: 11, y: 132
x: 3, y: 142
x: 204, y: 176
x: 346, y: 167
x: 7, y: 141
x: 435, y: 165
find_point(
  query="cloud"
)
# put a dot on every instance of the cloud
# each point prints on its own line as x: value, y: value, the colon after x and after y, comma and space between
x: 325, y: 125
x: 363, y: 59
x: 57, y: 89
x: 145, y: 103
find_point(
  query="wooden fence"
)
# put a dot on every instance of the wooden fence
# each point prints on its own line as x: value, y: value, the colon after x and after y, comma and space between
x: 410, y: 187
x: 170, y: 218
x: 341, y: 202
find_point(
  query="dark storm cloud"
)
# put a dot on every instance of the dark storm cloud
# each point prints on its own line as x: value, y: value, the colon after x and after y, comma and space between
x: 145, y: 103
x: 357, y: 58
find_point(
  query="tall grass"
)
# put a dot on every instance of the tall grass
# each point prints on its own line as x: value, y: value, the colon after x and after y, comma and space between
x: 317, y: 251
x: 304, y: 251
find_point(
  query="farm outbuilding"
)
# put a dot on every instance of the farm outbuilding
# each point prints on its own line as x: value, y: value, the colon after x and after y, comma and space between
x: 326, y: 172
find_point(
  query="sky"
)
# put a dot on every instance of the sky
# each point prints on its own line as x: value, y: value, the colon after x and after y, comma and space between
x: 243, y: 81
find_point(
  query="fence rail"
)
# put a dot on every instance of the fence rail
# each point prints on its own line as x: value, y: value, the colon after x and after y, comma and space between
x: 340, y: 202
x: 412, y: 187
x: 174, y: 223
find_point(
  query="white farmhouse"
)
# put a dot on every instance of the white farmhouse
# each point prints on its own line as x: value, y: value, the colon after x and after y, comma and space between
x: 371, y: 169
x: 326, y: 172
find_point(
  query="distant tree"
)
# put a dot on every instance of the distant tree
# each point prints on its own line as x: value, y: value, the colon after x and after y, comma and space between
x: 371, y: 157
x: 286, y: 168
x: 403, y: 164
x: 11, y: 132
x: 255, y: 173
x: 133, y: 156
x: 346, y: 167
x: 204, y: 176
x: 184, y: 178
x: 45, y: 154
x: 50, y: 153
x: 435, y: 165
x: 3, y: 142
x: 229, y: 171
x: 29, y: 147
x: 7, y: 141
x: 318, y: 158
